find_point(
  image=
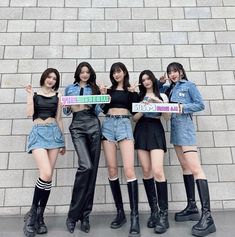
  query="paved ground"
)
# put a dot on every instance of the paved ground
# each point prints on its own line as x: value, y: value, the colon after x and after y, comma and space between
x: 12, y: 227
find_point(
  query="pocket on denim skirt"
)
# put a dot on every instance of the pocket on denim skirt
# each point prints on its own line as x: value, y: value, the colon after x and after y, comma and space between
x: 32, y: 138
x: 58, y: 136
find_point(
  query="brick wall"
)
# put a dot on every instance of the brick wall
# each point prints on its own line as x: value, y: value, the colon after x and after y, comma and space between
x: 36, y: 34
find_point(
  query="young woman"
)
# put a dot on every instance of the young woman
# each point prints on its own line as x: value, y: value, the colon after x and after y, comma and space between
x: 86, y: 136
x: 117, y: 129
x: 150, y: 143
x: 183, y: 137
x: 45, y: 142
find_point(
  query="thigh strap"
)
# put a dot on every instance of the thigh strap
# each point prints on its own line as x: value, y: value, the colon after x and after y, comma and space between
x: 190, y: 151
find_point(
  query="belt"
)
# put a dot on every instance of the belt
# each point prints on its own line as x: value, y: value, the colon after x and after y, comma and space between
x: 117, y: 116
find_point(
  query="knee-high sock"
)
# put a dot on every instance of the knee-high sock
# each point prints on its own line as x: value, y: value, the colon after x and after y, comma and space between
x: 38, y: 191
x: 45, y: 195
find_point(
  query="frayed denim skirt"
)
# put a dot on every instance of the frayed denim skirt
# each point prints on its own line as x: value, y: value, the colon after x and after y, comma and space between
x: 46, y: 136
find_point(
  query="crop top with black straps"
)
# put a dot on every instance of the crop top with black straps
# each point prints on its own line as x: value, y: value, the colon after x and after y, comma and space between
x: 45, y: 107
x: 120, y: 99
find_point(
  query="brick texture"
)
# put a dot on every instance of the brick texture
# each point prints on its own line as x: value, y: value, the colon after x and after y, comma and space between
x: 144, y: 34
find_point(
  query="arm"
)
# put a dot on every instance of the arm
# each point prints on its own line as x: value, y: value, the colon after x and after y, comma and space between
x: 59, y: 121
x: 137, y: 116
x: 30, y: 104
x: 66, y: 109
x: 196, y: 104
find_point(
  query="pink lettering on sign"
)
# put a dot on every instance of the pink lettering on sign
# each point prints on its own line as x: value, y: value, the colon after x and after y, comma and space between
x: 176, y: 108
x: 163, y: 108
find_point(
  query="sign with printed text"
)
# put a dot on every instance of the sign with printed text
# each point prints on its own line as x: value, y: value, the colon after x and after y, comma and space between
x: 85, y: 99
x: 155, y: 107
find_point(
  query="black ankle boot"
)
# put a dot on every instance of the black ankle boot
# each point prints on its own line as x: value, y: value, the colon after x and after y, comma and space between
x: 162, y: 222
x: 30, y: 221
x: 40, y: 224
x: 206, y: 224
x: 190, y: 213
x: 133, y: 197
x: 85, y: 224
x: 70, y: 224
x: 120, y: 218
x: 150, y: 189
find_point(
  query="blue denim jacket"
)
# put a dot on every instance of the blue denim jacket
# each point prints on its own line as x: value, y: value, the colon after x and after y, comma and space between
x: 186, y: 93
x: 74, y: 90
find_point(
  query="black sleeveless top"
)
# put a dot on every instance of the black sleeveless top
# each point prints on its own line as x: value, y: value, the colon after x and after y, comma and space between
x: 121, y: 99
x: 45, y: 107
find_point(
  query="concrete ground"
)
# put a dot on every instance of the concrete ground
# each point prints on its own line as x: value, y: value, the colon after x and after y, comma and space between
x: 12, y: 226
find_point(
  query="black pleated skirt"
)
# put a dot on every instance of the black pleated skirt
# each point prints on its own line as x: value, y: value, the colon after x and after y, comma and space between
x: 149, y: 134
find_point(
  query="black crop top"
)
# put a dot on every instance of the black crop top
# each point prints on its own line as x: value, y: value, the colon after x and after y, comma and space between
x: 120, y: 99
x: 45, y: 107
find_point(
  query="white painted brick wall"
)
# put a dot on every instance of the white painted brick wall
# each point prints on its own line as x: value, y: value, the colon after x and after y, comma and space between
x: 144, y: 34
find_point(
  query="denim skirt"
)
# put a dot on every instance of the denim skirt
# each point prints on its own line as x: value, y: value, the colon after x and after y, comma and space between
x: 46, y: 136
x: 182, y: 130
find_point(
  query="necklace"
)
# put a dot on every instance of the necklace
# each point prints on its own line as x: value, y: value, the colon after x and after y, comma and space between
x: 47, y: 92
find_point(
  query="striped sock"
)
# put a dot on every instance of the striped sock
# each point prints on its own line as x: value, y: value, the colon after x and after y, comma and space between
x: 46, y: 194
x: 38, y: 191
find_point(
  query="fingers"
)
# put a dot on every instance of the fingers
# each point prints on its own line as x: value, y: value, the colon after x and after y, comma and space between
x: 131, y: 88
x: 29, y: 88
x: 62, y: 150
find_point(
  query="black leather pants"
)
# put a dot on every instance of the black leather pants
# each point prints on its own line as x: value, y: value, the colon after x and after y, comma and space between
x: 86, y: 136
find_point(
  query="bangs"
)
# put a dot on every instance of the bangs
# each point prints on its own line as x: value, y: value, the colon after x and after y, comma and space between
x: 172, y: 67
x: 116, y: 68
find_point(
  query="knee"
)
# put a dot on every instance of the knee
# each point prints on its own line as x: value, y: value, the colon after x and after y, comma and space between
x: 197, y: 171
x: 159, y: 174
x: 129, y: 173
x: 147, y: 173
x: 113, y: 172
x: 46, y: 175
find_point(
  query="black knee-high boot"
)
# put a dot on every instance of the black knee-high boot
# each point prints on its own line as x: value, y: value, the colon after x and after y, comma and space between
x: 162, y: 222
x: 133, y: 197
x: 120, y: 218
x: 190, y: 213
x: 150, y: 189
x: 206, y: 224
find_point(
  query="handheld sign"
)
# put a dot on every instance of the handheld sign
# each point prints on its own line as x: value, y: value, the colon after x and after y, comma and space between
x: 155, y: 107
x: 85, y: 99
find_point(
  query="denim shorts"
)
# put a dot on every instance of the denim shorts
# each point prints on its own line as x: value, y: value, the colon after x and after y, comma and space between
x: 116, y: 128
x: 46, y: 136
x: 182, y: 130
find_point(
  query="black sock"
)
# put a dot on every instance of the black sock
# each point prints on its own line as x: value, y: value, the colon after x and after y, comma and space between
x: 45, y: 195
x: 38, y: 191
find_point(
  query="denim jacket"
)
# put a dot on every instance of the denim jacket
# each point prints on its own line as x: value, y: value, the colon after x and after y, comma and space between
x: 186, y: 93
x: 74, y: 90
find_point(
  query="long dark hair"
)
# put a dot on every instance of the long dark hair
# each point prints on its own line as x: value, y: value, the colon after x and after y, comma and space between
x: 117, y: 67
x: 175, y: 66
x: 154, y: 81
x: 45, y: 75
x: 91, y: 81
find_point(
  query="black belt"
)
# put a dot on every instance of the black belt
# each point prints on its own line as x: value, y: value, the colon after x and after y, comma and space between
x: 117, y: 116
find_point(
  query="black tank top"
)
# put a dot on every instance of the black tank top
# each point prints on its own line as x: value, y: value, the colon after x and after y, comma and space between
x: 45, y: 107
x: 121, y: 99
